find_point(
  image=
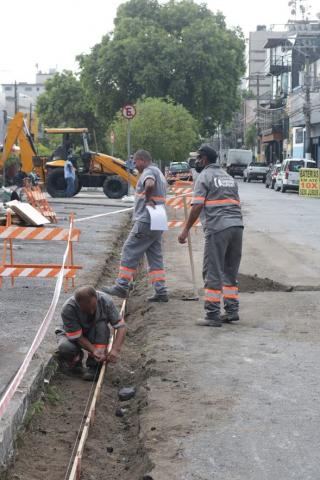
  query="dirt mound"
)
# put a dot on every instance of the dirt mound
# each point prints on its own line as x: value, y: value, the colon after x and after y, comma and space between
x: 253, y: 283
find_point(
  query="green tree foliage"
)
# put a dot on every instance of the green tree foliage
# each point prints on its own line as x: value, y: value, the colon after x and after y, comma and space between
x: 178, y: 49
x: 167, y: 130
x: 65, y: 103
x: 251, y: 136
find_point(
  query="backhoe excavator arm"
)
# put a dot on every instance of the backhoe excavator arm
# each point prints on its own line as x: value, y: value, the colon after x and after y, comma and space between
x: 116, y: 166
x: 18, y: 132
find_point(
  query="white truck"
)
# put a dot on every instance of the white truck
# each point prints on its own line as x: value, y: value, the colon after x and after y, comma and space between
x: 237, y: 161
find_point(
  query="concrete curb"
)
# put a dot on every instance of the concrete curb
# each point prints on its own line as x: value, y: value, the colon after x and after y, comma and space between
x: 42, y: 367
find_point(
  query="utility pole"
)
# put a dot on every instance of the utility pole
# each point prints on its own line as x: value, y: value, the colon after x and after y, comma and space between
x: 220, y: 145
x: 307, y: 109
x: 258, y: 120
x: 16, y: 106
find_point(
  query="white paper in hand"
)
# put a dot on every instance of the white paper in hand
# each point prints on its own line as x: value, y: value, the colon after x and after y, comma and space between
x: 158, y: 217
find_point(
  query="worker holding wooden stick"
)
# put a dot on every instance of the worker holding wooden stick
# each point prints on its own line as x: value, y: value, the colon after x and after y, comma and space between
x: 150, y: 192
x: 86, y: 318
x: 216, y: 195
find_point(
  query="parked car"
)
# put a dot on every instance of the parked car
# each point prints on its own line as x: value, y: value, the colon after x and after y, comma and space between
x: 288, y: 176
x: 272, y: 175
x: 178, y: 171
x: 255, y: 171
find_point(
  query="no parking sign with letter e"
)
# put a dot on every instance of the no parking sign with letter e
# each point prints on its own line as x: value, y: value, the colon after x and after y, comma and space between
x: 309, y: 185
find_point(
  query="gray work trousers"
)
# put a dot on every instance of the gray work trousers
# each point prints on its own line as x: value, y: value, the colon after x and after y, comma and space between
x: 222, y: 256
x: 69, y: 350
x: 142, y: 240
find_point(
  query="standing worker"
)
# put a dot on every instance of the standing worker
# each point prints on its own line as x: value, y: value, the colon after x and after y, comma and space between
x: 69, y: 176
x: 216, y: 193
x: 85, y: 326
x: 150, y: 191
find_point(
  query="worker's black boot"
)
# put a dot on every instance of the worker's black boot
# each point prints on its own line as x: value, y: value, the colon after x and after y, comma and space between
x: 70, y: 367
x: 230, y: 317
x: 77, y: 367
x: 157, y: 297
x: 115, y: 291
x: 209, y: 322
x: 91, y: 374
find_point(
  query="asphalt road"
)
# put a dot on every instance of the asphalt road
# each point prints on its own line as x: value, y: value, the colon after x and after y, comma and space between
x: 282, y: 235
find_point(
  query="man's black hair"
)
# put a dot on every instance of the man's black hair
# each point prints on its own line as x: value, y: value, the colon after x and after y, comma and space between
x: 144, y: 155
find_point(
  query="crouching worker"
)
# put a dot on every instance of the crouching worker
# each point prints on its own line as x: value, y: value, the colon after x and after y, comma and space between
x: 85, y: 326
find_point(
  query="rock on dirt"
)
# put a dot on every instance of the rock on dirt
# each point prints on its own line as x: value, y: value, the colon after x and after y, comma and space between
x: 126, y: 393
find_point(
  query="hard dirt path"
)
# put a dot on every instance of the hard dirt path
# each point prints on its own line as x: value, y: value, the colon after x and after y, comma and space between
x: 240, y: 402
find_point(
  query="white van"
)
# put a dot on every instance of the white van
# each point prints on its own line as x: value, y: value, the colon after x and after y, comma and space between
x: 288, y: 177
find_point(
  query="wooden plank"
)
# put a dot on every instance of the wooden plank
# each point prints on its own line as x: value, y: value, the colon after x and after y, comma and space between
x: 28, y: 213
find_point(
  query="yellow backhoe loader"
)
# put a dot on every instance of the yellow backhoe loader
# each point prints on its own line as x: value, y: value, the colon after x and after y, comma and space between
x: 93, y: 169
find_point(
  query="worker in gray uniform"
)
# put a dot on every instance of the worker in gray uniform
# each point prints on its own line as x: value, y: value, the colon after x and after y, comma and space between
x: 150, y: 191
x: 216, y: 195
x: 85, y: 326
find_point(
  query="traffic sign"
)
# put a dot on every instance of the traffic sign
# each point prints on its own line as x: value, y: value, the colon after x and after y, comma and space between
x: 129, y: 111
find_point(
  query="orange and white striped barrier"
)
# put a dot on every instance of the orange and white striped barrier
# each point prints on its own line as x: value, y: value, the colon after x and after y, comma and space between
x: 183, y: 183
x: 38, y: 233
x: 182, y: 190
x: 36, y: 271
x: 181, y: 223
x: 177, y: 202
x: 11, y: 269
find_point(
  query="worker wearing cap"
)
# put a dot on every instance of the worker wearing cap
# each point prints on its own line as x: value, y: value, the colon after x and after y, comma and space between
x: 85, y: 326
x: 150, y: 191
x: 216, y: 195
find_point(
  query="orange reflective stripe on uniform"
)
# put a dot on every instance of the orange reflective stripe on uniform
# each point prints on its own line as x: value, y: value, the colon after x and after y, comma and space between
x: 159, y: 198
x: 100, y: 345
x: 75, y: 334
x: 127, y: 269
x: 157, y: 276
x: 212, y: 295
x: 224, y: 202
x: 231, y: 292
x: 126, y: 272
x: 198, y: 199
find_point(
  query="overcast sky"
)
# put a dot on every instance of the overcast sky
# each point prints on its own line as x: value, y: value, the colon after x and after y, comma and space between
x: 51, y: 34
